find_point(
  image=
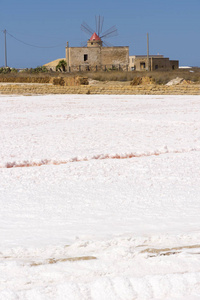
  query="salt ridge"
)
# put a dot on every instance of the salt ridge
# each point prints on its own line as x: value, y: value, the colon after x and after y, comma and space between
x: 95, y: 157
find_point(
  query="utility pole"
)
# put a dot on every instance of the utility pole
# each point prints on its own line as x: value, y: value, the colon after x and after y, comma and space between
x: 68, y: 57
x: 147, y: 52
x: 5, y: 49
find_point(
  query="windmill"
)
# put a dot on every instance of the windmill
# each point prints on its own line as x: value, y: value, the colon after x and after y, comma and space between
x: 98, y: 36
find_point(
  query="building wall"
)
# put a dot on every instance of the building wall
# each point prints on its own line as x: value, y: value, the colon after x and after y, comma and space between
x: 164, y: 64
x: 174, y: 64
x: 160, y: 64
x: 76, y: 57
x: 132, y: 63
x: 115, y: 55
x: 155, y: 63
x: 97, y: 57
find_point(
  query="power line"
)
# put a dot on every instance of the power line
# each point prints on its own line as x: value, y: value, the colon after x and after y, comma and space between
x: 31, y: 44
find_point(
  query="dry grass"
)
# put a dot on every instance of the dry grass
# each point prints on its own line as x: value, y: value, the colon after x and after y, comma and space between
x: 142, y: 80
x: 160, y: 77
x: 55, y: 78
x: 24, y: 79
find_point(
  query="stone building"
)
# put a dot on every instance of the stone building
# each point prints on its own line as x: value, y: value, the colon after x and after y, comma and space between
x: 156, y: 62
x: 96, y: 57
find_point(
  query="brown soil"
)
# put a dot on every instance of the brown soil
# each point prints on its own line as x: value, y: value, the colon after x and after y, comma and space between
x: 56, y: 260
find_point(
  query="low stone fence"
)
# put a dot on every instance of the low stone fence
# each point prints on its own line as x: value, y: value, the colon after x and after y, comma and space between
x: 31, y: 89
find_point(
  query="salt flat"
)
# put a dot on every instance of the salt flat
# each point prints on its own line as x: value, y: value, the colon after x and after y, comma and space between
x: 99, y: 197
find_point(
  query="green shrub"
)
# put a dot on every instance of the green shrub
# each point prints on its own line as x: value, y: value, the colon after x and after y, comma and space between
x: 40, y: 69
x: 61, y: 66
x: 13, y: 70
x: 5, y: 70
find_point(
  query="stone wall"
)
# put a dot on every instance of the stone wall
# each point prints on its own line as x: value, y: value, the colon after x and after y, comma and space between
x: 114, y: 89
x: 76, y: 57
x: 164, y: 64
x: 155, y: 63
x: 115, y: 55
x: 174, y: 64
x: 160, y: 64
x: 98, y: 58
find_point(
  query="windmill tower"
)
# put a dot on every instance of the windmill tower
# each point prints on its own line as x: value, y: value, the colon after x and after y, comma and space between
x: 94, y: 41
x: 97, y: 53
x: 98, y: 39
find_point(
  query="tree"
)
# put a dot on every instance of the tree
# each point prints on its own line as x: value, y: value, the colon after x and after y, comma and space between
x: 61, y: 66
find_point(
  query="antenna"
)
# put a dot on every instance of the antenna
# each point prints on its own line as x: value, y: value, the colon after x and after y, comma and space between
x: 68, y: 67
x: 5, y: 49
x: 147, y: 52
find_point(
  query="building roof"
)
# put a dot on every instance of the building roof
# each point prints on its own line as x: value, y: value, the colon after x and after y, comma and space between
x: 95, y: 37
x: 153, y: 56
x: 54, y: 63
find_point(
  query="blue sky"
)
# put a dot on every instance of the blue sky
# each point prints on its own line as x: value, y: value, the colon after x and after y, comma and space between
x: 173, y: 26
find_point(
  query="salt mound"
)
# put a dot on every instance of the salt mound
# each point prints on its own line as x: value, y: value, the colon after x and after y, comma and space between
x: 175, y: 81
x: 93, y: 81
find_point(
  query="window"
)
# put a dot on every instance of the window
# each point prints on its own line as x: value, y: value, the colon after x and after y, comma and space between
x: 85, y: 57
x: 142, y: 65
x: 156, y: 67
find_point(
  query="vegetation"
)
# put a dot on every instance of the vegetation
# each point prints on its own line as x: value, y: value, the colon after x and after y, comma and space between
x: 40, y: 69
x: 42, y: 75
x: 8, y: 70
x: 159, y: 77
x: 61, y: 66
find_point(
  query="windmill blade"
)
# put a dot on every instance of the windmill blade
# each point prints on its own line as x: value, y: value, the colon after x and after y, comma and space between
x: 110, y: 32
x: 107, y: 44
x: 96, y: 20
x: 86, y: 28
x: 99, y: 24
x: 102, y: 20
x: 84, y: 44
